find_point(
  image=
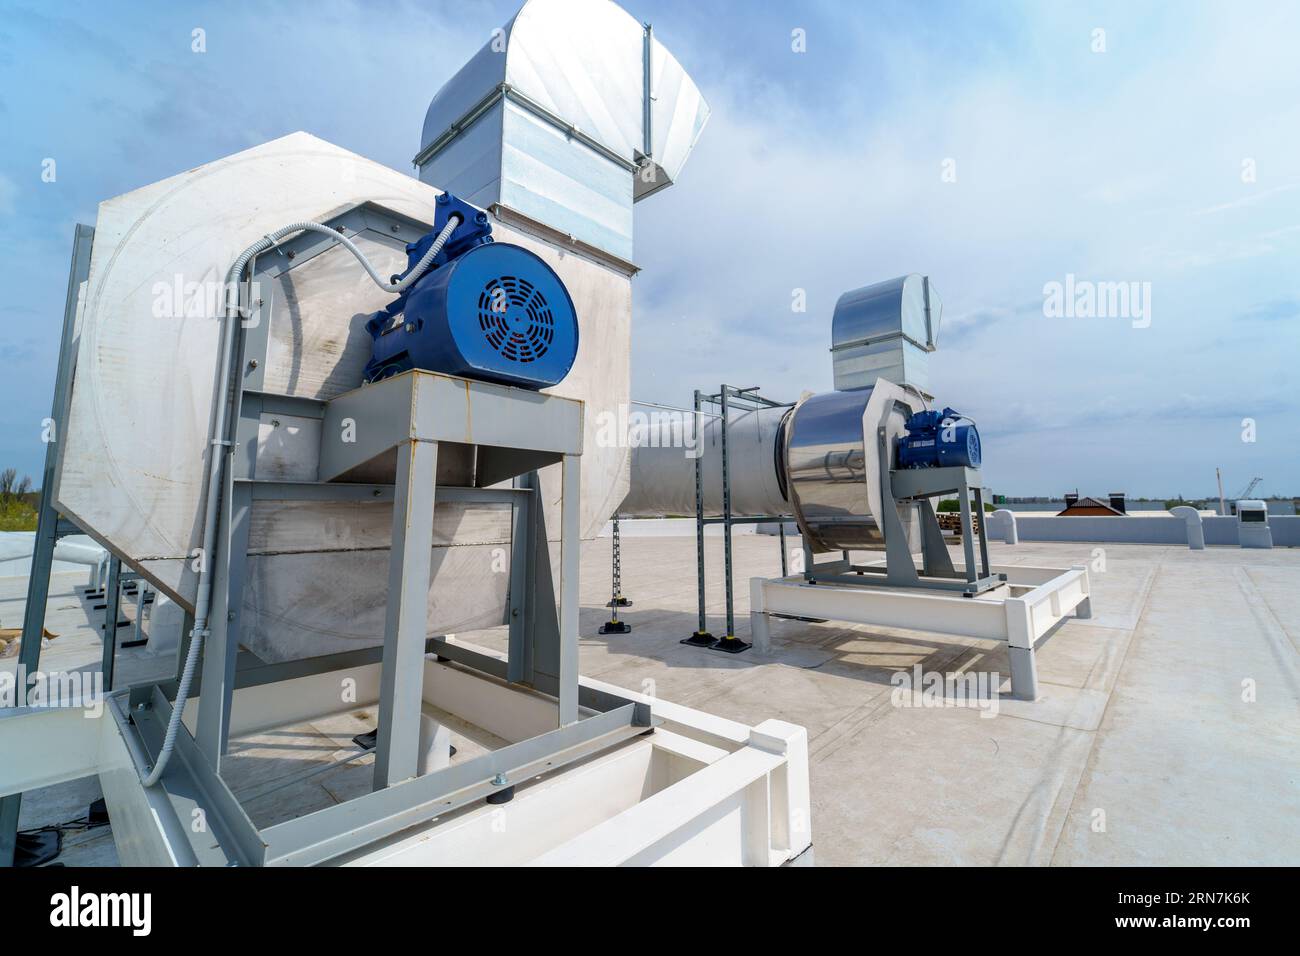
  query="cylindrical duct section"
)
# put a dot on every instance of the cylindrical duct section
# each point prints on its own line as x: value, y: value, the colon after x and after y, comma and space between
x: 663, y: 465
x: 819, y: 461
x: 827, y: 470
x: 833, y: 467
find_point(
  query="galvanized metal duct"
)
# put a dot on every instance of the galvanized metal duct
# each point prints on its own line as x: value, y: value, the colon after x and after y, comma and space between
x: 886, y: 330
x: 663, y: 465
x: 819, y: 461
x: 568, y: 115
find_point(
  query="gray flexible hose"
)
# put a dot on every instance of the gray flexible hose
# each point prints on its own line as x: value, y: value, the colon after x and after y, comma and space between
x: 217, y: 439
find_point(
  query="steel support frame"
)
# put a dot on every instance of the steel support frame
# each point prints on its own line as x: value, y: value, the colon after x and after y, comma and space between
x: 937, y: 571
x: 112, y: 606
x: 1038, y: 601
x: 744, y: 398
x: 701, y: 637
x: 543, y: 639
x: 224, y: 835
x: 49, y: 527
x: 402, y: 674
x: 616, y: 599
x: 549, y: 640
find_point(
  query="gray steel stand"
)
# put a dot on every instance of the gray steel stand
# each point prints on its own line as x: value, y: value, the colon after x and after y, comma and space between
x: 701, y: 637
x: 937, y: 570
x: 728, y: 642
x: 515, y: 433
x: 49, y: 527
x: 1024, y: 672
x: 749, y: 399
x: 616, y: 600
x: 112, y: 605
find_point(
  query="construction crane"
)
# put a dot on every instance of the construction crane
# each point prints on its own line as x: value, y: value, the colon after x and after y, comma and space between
x: 1249, y: 488
x: 1223, y: 507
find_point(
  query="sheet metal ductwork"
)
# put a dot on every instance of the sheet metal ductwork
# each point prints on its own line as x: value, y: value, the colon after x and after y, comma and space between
x: 568, y: 115
x: 821, y: 460
x: 886, y: 330
x: 663, y: 465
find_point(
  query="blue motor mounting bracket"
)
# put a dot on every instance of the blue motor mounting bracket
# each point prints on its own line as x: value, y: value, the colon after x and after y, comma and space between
x: 474, y: 230
x: 936, y: 439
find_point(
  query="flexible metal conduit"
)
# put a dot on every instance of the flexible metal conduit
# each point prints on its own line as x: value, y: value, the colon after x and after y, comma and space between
x: 218, y: 438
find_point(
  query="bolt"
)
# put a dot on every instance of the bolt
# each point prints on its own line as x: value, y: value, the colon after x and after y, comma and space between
x: 499, y: 780
x: 291, y: 254
x: 394, y: 228
x: 252, y: 363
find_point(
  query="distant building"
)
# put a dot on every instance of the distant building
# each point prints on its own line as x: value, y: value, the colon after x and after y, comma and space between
x: 1092, y: 507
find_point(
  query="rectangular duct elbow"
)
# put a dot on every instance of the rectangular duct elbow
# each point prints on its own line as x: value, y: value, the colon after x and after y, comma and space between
x: 568, y: 115
x: 886, y: 330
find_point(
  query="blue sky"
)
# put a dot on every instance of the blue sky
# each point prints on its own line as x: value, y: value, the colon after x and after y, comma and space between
x: 820, y: 170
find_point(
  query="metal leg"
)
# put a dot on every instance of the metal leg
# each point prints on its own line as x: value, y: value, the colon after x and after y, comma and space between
x: 47, y: 520
x: 541, y: 634
x: 785, y: 563
x: 10, y: 808
x: 1024, y: 673
x: 570, y: 545
x: 726, y: 521
x: 137, y: 628
x: 728, y: 642
x: 701, y: 637
x: 519, y: 655
x: 967, y: 535
x: 616, y: 599
x: 984, y: 542
x: 401, y: 680
x: 222, y: 644
x: 112, y: 606
x: 616, y: 552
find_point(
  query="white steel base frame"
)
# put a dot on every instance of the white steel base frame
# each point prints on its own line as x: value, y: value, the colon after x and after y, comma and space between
x: 699, y: 790
x: 1023, y: 613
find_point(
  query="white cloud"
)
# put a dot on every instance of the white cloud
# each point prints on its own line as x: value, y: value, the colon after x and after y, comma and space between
x: 1056, y: 174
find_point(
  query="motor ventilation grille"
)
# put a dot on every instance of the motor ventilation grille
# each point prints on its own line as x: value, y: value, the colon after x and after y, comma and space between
x: 515, y: 319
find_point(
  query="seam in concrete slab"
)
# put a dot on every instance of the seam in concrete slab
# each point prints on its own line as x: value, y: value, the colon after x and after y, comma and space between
x: 852, y: 724
x: 1279, y: 640
x: 1049, y: 798
x: 1057, y: 723
x: 1101, y: 727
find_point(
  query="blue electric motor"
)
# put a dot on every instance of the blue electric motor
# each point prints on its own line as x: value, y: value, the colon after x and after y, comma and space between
x: 483, y: 310
x: 934, y: 439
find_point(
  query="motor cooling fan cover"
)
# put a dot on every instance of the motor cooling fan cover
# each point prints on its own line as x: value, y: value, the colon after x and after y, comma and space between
x: 497, y: 313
